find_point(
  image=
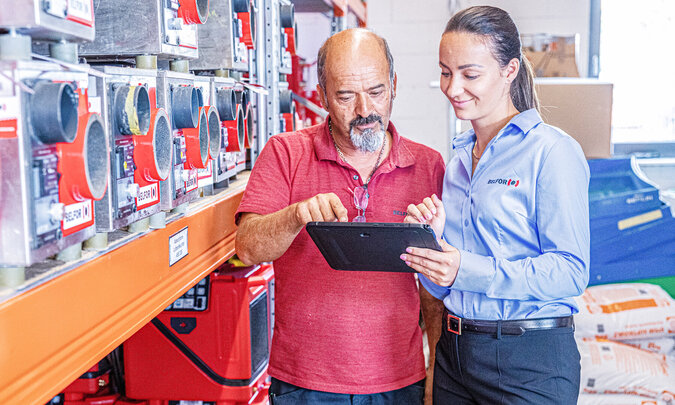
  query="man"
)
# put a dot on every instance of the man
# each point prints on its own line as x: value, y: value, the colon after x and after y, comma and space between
x: 340, y: 336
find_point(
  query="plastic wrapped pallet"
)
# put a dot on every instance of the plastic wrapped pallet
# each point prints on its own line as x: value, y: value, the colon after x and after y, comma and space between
x: 625, y: 311
x: 664, y: 345
x: 615, y: 368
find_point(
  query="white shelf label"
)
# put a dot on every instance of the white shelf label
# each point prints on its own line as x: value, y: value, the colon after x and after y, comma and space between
x: 178, y: 246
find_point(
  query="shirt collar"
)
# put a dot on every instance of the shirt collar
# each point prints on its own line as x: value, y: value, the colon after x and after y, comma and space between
x: 525, y: 121
x: 399, y: 155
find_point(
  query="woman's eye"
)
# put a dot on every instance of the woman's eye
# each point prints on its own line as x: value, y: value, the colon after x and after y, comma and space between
x: 445, y: 74
x: 471, y: 77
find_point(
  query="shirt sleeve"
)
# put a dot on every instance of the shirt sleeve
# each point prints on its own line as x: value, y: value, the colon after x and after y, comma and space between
x: 268, y: 188
x: 562, y: 220
x: 434, y: 289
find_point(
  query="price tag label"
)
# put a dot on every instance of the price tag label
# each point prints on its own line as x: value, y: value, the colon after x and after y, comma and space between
x: 178, y: 246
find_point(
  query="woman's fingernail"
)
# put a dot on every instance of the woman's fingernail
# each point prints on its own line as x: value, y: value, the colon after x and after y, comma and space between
x: 408, y: 263
x: 403, y: 257
x: 409, y: 250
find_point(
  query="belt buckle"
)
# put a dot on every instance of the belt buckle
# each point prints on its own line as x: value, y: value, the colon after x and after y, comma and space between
x: 458, y: 322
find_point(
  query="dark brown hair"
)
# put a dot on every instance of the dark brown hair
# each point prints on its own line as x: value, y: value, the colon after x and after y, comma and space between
x: 503, y: 39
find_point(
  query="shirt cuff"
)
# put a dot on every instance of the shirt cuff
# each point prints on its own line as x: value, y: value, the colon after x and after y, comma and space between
x: 475, y: 272
x: 434, y: 289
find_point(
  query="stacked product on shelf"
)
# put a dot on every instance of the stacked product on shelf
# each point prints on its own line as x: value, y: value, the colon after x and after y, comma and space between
x: 631, y: 228
x: 54, y: 144
x: 626, y: 337
x: 140, y: 146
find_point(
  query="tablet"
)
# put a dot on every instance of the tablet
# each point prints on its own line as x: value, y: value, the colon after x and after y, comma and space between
x: 370, y: 246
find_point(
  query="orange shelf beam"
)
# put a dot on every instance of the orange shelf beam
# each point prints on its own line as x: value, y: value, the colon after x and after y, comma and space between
x: 53, y: 333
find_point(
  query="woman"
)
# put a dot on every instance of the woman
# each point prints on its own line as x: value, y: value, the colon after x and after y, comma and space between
x: 514, y: 220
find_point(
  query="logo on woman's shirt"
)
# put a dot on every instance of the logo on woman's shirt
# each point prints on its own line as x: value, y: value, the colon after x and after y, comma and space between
x: 506, y: 182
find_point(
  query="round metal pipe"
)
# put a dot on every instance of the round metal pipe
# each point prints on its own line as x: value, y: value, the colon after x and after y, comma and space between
x: 179, y: 65
x: 12, y: 276
x: 185, y: 106
x: 64, y: 51
x: 97, y: 242
x: 15, y: 47
x: 53, y: 112
x: 146, y: 61
x: 197, y: 142
x: 96, y: 157
x: 70, y: 253
x: 152, y: 152
x: 213, y: 120
x: 131, y: 107
x: 194, y: 11
x: 285, y: 101
x: 226, y: 101
x: 287, y: 15
x: 241, y: 6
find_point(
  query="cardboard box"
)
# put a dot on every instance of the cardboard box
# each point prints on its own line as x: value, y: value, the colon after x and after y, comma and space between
x: 580, y: 107
x: 551, y: 56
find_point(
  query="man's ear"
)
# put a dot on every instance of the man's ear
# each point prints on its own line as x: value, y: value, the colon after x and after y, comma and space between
x: 393, y: 88
x: 322, y: 97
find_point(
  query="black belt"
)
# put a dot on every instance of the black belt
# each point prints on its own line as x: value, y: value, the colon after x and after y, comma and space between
x: 457, y: 325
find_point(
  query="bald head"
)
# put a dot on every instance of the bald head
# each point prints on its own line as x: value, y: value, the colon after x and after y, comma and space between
x: 350, y: 44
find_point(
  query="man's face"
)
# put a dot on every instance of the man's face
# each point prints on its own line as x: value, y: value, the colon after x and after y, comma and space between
x: 359, y: 94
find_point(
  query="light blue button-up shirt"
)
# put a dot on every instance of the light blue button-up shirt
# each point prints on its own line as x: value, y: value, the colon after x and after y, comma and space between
x: 520, y: 223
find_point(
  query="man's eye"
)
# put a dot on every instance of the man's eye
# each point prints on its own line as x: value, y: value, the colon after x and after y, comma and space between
x: 376, y: 93
x: 344, y: 99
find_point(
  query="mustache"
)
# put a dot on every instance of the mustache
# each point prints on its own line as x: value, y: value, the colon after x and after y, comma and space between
x: 365, y: 121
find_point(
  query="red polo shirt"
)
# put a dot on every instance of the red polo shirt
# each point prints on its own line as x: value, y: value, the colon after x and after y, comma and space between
x: 342, y: 331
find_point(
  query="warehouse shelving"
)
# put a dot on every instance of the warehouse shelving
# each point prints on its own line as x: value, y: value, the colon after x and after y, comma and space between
x: 339, y: 8
x: 55, y: 331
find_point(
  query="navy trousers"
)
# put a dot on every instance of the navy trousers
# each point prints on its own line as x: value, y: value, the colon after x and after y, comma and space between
x: 538, y: 367
x: 282, y: 393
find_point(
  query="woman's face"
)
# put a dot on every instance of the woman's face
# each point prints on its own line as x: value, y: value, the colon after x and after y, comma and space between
x: 471, y: 78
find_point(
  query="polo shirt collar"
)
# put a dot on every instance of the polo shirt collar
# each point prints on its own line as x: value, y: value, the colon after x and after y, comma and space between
x: 399, y: 155
x: 525, y: 121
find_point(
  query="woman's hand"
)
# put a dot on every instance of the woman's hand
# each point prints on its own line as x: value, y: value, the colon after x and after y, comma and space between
x: 439, y: 267
x: 430, y: 211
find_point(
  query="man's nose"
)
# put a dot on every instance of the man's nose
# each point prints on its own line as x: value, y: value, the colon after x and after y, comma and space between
x: 364, y: 105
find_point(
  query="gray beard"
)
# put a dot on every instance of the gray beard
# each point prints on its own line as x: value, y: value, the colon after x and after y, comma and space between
x: 369, y: 140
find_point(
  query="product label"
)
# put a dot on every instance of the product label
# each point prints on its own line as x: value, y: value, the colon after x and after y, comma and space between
x: 192, y: 182
x: 178, y: 246
x: 147, y: 195
x: 81, y: 11
x: 205, y: 176
x: 78, y: 214
x: 8, y: 128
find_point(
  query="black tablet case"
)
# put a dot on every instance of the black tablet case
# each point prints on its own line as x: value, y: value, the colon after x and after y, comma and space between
x: 371, y: 246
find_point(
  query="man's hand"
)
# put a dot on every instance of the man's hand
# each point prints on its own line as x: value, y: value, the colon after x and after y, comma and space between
x: 322, y: 207
x: 430, y: 211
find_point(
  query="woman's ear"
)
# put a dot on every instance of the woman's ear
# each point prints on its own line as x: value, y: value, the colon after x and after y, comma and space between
x: 510, y: 71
